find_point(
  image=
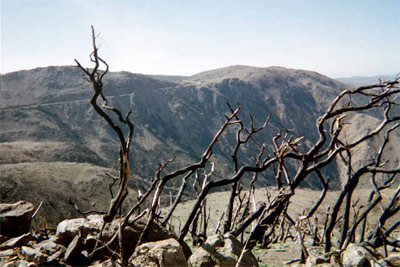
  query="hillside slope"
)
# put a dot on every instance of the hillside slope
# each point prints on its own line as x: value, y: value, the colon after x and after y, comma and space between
x: 28, y: 151
x: 55, y: 183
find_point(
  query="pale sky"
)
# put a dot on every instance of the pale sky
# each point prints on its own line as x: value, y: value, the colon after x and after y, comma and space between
x: 335, y: 38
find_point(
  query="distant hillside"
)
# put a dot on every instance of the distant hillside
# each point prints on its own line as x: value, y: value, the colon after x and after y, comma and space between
x: 63, y: 84
x: 28, y: 151
x: 55, y: 183
x: 168, y: 78
x: 361, y: 80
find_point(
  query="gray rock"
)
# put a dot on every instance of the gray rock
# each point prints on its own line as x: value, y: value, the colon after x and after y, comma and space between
x: 72, y: 255
x: 316, y: 257
x: 156, y: 233
x: 394, y: 258
x: 33, y: 255
x: 159, y: 254
x: 55, y: 258
x: 90, y: 227
x: 221, y: 250
x: 316, y: 260
x: 68, y: 229
x: 335, y: 259
x: 49, y: 247
x: 394, y: 255
x: 15, y: 219
x: 20, y: 263
x: 106, y: 263
x: 358, y: 255
x: 382, y: 263
x: 17, y: 241
x: 8, y: 253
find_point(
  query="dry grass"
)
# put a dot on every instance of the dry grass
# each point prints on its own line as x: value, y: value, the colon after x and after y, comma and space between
x: 303, y: 200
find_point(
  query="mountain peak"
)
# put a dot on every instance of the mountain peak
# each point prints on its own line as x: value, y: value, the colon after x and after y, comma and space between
x: 246, y: 73
x: 216, y: 75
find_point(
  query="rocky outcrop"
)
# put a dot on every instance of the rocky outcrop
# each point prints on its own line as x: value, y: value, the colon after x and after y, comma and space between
x: 75, y: 239
x: 33, y: 255
x: 20, y: 263
x: 73, y: 253
x: 16, y: 241
x: 89, y: 229
x: 221, y: 250
x: 15, y: 219
x: 394, y: 258
x: 159, y: 254
x: 359, y: 255
x: 49, y: 247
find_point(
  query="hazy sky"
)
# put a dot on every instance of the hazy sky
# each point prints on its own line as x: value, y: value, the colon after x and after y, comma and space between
x: 335, y: 38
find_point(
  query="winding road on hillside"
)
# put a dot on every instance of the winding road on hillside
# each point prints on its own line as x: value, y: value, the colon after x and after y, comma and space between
x: 32, y: 106
x: 54, y: 103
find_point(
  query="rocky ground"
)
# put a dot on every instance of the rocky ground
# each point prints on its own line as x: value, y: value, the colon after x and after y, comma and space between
x: 74, y: 240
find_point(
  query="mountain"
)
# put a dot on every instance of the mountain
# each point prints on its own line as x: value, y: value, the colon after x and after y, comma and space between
x: 46, y: 118
x: 365, y: 80
x: 51, y: 104
x: 168, y: 78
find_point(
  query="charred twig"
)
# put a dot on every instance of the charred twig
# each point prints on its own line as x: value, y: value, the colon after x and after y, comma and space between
x: 177, y: 198
x: 239, y: 142
x: 37, y: 210
x: 95, y: 77
x: 256, y: 214
x: 71, y: 202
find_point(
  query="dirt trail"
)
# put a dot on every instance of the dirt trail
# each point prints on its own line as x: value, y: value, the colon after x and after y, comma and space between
x: 55, y: 103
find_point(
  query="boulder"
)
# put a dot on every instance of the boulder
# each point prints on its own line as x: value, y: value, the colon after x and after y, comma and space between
x: 33, y: 255
x: 382, y: 263
x: 54, y: 259
x: 159, y: 254
x: 15, y: 219
x: 335, y: 259
x: 20, y: 263
x: 156, y: 233
x: 49, y: 247
x: 106, y: 263
x: 8, y: 253
x: 359, y: 255
x: 394, y: 258
x: 316, y: 257
x: 73, y: 253
x: 16, y: 241
x: 68, y: 229
x: 90, y: 227
x: 221, y: 250
x: 316, y: 260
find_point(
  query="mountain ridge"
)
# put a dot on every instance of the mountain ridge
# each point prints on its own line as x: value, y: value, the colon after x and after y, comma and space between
x: 365, y: 80
x: 163, y: 112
